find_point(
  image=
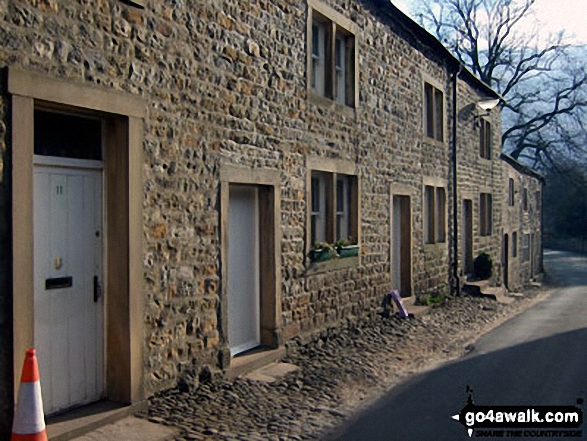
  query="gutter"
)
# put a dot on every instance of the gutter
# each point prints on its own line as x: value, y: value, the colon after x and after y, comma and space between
x: 455, y: 224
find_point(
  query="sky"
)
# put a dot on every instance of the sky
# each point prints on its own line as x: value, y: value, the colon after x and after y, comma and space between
x: 555, y: 15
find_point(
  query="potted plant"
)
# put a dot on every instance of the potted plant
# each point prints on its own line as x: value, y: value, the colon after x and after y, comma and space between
x: 483, y: 266
x: 321, y: 252
x: 347, y: 247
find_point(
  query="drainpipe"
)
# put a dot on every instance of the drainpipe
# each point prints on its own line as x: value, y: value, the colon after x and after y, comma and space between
x: 455, y: 263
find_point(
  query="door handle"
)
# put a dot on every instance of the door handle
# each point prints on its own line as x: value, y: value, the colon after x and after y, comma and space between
x: 97, y: 289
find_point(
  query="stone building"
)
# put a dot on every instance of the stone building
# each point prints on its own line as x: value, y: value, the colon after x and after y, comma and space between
x: 522, y: 231
x: 167, y: 167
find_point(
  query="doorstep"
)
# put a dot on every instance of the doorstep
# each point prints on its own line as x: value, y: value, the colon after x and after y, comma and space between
x: 254, y: 359
x: 81, y: 420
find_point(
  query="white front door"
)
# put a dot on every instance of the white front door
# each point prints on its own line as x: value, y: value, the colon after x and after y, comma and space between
x: 244, y: 328
x: 69, y: 335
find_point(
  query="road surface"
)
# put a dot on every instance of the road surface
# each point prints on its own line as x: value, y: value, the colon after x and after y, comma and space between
x: 537, y: 358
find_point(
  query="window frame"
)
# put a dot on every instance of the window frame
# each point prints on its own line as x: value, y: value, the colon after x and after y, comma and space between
x: 434, y: 214
x: 525, y: 247
x: 485, y: 214
x: 434, y: 102
x: 337, y: 28
x: 511, y: 192
x: 485, y: 138
x: 333, y: 171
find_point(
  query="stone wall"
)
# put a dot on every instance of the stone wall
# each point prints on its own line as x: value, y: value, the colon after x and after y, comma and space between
x: 225, y: 83
x: 478, y: 175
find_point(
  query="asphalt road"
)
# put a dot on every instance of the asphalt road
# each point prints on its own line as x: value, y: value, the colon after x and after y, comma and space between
x: 537, y: 358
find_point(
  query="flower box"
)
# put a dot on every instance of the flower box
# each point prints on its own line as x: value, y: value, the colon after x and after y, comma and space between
x: 348, y: 251
x: 321, y: 255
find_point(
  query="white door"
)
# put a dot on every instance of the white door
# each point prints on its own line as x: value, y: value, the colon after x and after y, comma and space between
x: 68, y: 277
x: 244, y: 329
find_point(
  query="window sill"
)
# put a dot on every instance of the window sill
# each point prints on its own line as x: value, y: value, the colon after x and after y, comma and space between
x: 435, y: 245
x: 332, y: 265
x: 323, y: 101
x: 433, y: 141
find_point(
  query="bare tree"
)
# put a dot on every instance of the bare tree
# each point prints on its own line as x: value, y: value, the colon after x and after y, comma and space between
x: 541, y: 79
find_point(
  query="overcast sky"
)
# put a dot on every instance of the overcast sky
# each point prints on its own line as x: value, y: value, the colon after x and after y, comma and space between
x: 555, y: 15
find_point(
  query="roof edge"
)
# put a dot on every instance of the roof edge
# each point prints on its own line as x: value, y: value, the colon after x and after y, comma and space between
x: 521, y: 167
x: 393, y: 12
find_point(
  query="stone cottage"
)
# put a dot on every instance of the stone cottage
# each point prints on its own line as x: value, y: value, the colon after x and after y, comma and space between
x: 522, y: 235
x: 167, y: 169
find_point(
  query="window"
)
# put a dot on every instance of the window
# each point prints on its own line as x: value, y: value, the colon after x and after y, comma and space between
x: 526, y: 247
x: 332, y: 60
x: 525, y: 199
x: 538, y: 199
x: 511, y: 192
x: 485, y: 214
x: 485, y: 139
x: 434, y: 214
x: 434, y: 112
x: 334, y: 207
x: 318, y: 216
x: 514, y: 244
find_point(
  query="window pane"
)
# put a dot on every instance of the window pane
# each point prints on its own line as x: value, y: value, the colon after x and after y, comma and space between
x: 67, y: 136
x: 315, y: 195
x: 318, y: 227
x: 342, y: 207
x: 487, y: 140
x: 439, y: 115
x: 318, y: 57
x: 429, y: 109
x: 440, y: 215
x: 429, y: 214
x: 315, y: 41
x: 340, y: 75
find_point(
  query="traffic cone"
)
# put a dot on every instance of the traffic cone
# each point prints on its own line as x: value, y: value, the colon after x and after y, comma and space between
x: 29, y: 421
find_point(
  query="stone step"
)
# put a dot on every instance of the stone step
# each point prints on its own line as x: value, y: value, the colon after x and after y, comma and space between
x: 482, y: 288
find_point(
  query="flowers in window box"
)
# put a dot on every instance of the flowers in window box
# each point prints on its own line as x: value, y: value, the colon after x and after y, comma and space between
x: 321, y: 252
x: 347, y: 247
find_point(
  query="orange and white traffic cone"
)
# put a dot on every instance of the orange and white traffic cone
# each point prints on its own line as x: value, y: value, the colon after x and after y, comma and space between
x: 29, y: 421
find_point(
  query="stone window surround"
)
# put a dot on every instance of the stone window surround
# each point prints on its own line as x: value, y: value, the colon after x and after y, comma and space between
x: 123, y: 115
x: 315, y: 163
x: 435, y: 183
x: 269, y: 184
x: 428, y: 79
x: 341, y: 21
